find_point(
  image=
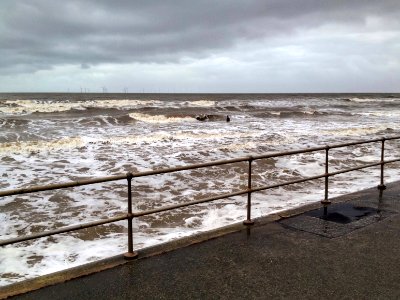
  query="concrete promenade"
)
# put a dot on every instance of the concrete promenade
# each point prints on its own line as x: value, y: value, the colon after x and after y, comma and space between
x: 294, y: 255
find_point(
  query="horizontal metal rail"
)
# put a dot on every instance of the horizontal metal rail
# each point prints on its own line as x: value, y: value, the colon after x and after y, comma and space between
x: 190, y: 167
x: 58, y: 186
x: 267, y: 187
x: 363, y: 167
x: 130, y: 215
x: 171, y: 207
x: 62, y: 230
x: 182, y: 168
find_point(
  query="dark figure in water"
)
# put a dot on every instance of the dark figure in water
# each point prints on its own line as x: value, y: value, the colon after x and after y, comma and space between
x: 228, y: 119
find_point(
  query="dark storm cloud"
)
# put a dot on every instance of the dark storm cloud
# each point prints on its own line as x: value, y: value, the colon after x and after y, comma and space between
x: 40, y: 34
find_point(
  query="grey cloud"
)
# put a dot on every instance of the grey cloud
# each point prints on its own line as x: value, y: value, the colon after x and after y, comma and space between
x: 85, y: 66
x: 40, y: 34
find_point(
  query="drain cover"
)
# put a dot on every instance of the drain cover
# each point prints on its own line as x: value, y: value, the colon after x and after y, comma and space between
x: 343, y: 213
x: 341, y: 218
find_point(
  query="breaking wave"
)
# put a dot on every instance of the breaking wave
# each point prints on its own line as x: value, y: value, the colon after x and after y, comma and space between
x: 366, y: 100
x: 161, y: 118
x: 21, y: 107
x: 290, y: 114
x: 40, y: 145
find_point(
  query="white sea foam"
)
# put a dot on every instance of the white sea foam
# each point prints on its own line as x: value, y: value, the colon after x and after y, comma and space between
x: 40, y: 145
x: 66, y: 149
x: 382, y: 114
x: 276, y: 113
x: 355, y: 131
x: 121, y: 103
x: 18, y: 107
x: 30, y: 106
x: 309, y: 112
x: 58, y: 256
x: 202, y: 103
x: 160, y: 118
x: 365, y: 100
x: 168, y: 137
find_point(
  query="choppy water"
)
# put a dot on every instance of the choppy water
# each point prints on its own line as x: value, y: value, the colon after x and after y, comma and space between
x: 52, y: 138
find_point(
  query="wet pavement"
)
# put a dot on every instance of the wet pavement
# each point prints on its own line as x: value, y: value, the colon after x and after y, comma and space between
x: 353, y: 254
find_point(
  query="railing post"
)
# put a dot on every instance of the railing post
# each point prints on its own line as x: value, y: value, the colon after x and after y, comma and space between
x: 130, y: 254
x: 248, y: 221
x: 326, y: 200
x: 382, y: 186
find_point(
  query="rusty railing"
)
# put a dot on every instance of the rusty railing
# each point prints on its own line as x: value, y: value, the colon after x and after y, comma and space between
x: 129, y: 176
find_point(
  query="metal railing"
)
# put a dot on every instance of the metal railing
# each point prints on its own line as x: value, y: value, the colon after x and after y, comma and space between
x: 250, y: 159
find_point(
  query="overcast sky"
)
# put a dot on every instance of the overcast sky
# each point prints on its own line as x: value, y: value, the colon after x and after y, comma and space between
x: 200, y: 46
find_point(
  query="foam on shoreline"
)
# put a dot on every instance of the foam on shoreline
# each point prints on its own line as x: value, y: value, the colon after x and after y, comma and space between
x: 53, y: 147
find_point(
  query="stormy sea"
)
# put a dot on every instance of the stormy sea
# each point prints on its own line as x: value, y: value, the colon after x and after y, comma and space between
x: 58, y: 138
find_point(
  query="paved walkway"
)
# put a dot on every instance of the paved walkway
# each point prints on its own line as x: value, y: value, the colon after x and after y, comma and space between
x: 301, y: 257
